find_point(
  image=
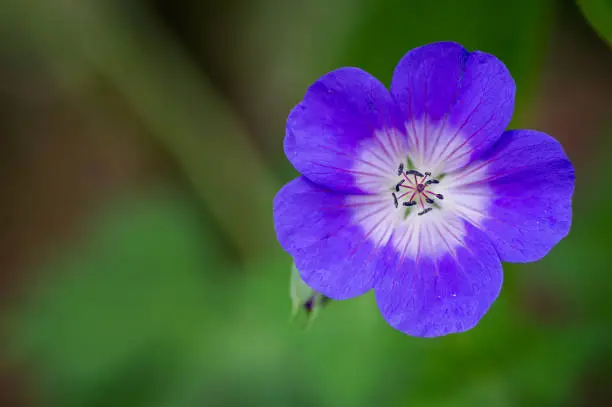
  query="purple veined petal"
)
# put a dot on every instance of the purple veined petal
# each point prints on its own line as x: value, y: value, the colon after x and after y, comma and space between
x: 455, y: 103
x: 430, y: 295
x: 530, y: 182
x: 346, y: 127
x: 336, y: 240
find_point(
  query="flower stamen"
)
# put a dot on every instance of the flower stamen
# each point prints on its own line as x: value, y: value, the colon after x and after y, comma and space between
x: 399, y: 184
x: 426, y: 210
x: 419, y: 189
x: 414, y: 172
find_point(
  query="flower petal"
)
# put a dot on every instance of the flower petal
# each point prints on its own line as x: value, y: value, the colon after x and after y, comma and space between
x: 333, y: 254
x: 531, y: 182
x: 326, y: 131
x: 438, y: 295
x: 465, y: 99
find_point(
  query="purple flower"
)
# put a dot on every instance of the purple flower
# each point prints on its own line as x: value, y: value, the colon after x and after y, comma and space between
x: 419, y: 192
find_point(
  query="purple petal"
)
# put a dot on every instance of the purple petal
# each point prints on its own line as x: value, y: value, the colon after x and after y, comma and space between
x: 440, y: 295
x: 331, y: 252
x: 532, y: 183
x: 325, y: 132
x: 465, y: 99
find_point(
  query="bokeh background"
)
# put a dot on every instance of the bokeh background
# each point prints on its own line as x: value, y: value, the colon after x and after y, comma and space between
x: 141, y: 147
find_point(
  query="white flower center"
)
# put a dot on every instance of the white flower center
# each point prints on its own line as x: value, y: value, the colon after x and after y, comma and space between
x: 420, y: 193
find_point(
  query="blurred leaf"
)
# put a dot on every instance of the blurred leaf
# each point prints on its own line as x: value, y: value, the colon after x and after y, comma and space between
x: 599, y: 15
x: 124, y: 312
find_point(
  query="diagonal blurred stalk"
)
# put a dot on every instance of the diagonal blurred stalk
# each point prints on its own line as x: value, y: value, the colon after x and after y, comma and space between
x: 174, y: 100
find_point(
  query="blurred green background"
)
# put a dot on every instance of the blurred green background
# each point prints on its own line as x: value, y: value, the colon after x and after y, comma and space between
x: 141, y: 147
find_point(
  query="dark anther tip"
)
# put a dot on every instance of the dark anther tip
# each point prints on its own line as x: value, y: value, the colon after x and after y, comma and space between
x: 400, y: 169
x: 394, y: 199
x: 432, y: 181
x: 429, y: 200
x: 428, y: 173
x: 439, y: 196
x: 409, y: 203
x: 424, y: 211
x: 414, y: 172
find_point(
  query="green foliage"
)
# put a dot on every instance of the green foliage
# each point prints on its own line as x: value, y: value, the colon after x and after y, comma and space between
x: 126, y: 311
x: 599, y: 15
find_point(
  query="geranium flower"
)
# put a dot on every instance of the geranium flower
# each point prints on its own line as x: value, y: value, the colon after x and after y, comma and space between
x: 418, y: 192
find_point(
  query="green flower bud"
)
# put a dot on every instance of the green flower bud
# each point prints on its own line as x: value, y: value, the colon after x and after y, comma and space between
x: 304, y: 298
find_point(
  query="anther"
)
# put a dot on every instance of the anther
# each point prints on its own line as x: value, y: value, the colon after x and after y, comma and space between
x: 397, y: 187
x: 394, y: 199
x: 439, y: 196
x: 432, y: 181
x: 400, y: 169
x: 428, y: 173
x: 409, y: 203
x: 424, y: 211
x: 414, y: 172
x: 429, y: 200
